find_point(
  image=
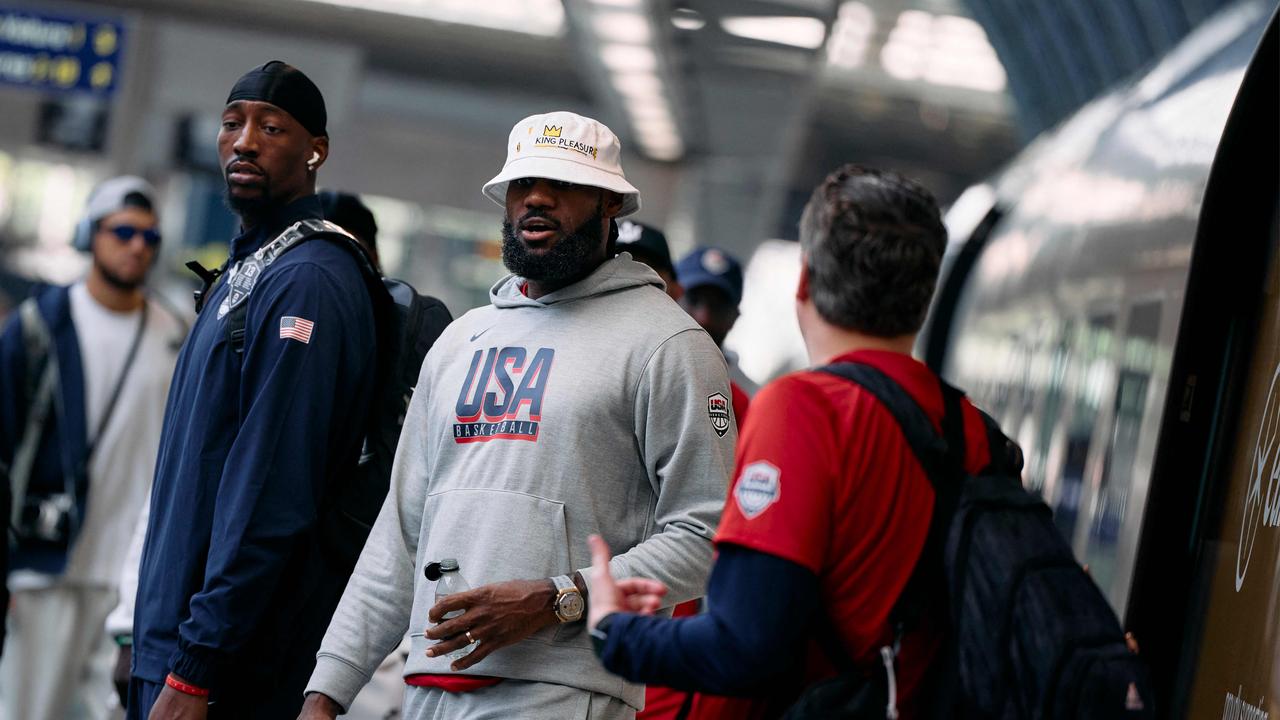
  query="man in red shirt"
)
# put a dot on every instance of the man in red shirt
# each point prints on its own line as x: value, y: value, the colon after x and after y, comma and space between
x: 830, y: 508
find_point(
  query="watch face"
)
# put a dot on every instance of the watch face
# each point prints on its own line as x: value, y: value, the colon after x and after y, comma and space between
x: 570, y: 606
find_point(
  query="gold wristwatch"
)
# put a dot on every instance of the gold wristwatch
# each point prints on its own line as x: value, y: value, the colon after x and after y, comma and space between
x: 568, y: 605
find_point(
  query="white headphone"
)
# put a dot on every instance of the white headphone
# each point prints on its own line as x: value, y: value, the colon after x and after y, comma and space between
x: 315, y: 158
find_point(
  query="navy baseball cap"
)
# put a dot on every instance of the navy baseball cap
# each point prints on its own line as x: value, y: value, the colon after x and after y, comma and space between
x: 711, y: 266
x: 646, y: 244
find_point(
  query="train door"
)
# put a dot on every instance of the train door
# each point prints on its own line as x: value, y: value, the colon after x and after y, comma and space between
x: 1238, y: 658
x: 1205, y: 602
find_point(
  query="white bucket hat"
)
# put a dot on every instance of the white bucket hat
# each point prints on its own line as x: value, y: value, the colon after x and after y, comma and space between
x: 568, y: 147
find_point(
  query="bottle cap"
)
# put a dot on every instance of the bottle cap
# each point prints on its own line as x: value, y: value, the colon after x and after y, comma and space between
x: 449, y: 564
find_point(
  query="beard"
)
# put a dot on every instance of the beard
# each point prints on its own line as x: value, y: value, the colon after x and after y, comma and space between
x: 116, y: 280
x: 568, y: 260
x: 251, y: 207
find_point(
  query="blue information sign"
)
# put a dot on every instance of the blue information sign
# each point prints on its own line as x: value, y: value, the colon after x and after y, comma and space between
x: 60, y: 53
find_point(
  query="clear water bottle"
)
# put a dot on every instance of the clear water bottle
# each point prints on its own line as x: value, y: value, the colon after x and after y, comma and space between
x: 450, y: 582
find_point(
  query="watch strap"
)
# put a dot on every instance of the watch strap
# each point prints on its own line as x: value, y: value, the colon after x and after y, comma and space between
x: 565, y: 588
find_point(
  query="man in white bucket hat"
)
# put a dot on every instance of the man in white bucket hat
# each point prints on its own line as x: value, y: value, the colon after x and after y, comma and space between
x: 582, y: 400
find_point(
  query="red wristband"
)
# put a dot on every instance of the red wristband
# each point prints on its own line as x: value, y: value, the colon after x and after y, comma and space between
x: 184, y: 688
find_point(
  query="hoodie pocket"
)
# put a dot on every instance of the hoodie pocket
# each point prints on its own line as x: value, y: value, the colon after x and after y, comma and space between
x: 495, y: 535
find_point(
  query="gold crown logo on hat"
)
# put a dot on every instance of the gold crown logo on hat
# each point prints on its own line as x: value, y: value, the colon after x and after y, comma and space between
x: 573, y: 149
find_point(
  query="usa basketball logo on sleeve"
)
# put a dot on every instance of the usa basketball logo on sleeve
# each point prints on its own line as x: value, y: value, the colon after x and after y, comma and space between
x: 718, y: 411
x: 758, y: 487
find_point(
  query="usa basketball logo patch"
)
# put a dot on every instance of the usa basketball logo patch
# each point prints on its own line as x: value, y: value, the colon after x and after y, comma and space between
x: 758, y: 487
x: 718, y: 410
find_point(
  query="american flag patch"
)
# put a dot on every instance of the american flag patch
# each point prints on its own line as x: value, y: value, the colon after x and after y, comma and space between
x: 296, y: 328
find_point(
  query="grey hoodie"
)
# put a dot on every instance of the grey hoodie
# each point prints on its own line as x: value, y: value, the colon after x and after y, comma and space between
x: 599, y: 408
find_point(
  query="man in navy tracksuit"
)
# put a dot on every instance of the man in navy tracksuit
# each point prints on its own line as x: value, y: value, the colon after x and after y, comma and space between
x: 84, y: 371
x: 235, y: 589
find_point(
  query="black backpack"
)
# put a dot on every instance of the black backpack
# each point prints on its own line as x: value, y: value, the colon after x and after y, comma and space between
x: 1030, y: 635
x: 407, y: 324
x: 420, y: 319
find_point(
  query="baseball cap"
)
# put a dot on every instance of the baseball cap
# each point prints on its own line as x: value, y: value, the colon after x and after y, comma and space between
x: 109, y: 197
x: 714, y: 267
x: 568, y: 147
x: 646, y: 244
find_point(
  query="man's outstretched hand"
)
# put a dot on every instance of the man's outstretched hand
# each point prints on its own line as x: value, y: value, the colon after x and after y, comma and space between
x: 636, y: 595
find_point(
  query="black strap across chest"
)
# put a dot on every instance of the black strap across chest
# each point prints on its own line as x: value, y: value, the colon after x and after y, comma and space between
x: 942, y: 457
x: 242, y: 277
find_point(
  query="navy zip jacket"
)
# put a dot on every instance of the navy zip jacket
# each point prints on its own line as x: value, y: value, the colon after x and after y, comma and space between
x: 235, y: 586
x: 61, y: 456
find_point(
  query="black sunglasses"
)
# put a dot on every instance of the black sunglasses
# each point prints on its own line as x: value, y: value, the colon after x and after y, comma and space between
x: 126, y: 233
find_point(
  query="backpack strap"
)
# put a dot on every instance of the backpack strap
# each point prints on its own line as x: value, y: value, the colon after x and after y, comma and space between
x: 1006, y: 455
x: 114, y: 398
x: 943, y: 460
x: 208, y: 278
x: 244, y: 276
x: 42, y: 381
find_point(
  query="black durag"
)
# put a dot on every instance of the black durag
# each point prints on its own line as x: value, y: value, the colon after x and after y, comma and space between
x: 286, y: 87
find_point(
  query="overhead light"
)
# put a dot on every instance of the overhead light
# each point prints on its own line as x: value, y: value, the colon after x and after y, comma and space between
x: 533, y: 17
x: 657, y: 132
x: 624, y: 33
x: 654, y: 135
x: 687, y: 19
x: 656, y: 124
x: 798, y: 31
x: 625, y: 58
x: 641, y: 85
x: 655, y: 110
x: 851, y: 35
x: 622, y: 27
x: 653, y: 142
x: 665, y: 153
x: 943, y: 50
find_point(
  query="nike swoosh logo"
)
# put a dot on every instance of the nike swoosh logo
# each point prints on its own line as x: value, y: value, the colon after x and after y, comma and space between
x: 477, y: 335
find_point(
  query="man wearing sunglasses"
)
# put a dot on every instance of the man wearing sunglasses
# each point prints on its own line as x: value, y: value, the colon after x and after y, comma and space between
x: 84, y: 371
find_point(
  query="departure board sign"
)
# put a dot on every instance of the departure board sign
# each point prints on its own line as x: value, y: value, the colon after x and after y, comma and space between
x: 59, y: 53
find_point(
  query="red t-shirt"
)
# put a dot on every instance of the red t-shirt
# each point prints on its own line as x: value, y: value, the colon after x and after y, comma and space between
x: 826, y: 479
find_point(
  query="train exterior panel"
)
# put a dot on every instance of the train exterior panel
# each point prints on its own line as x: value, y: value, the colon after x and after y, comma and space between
x: 1063, y: 313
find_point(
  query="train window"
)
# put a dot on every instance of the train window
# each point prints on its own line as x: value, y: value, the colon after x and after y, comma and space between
x: 1091, y: 375
x: 1139, y: 358
x: 1053, y: 383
